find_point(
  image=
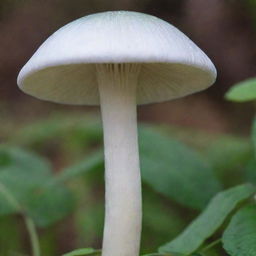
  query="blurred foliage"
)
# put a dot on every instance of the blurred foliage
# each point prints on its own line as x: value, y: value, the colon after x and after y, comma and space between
x: 24, y: 179
x: 175, y: 170
x: 201, y: 228
x: 180, y: 176
x: 243, y: 91
x: 10, y: 235
x: 182, y: 168
x: 239, y: 239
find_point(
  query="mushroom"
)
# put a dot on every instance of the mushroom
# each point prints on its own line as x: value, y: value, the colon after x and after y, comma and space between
x: 117, y: 60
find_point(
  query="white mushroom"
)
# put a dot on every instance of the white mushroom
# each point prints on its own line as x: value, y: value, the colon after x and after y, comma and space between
x: 118, y: 60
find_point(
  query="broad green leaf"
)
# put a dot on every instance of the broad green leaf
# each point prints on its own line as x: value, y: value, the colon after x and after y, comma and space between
x: 175, y: 170
x: 209, y: 220
x: 15, y: 158
x: 24, y: 179
x: 50, y: 204
x: 243, y: 91
x: 16, y: 166
x: 83, y: 252
x: 239, y: 239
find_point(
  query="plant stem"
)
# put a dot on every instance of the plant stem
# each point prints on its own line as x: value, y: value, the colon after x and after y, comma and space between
x: 211, y: 245
x: 122, y: 230
x: 33, y: 235
x: 28, y: 221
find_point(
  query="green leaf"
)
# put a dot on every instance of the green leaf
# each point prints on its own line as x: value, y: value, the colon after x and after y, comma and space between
x: 50, y: 204
x: 209, y: 221
x: 82, y: 252
x: 239, y: 239
x: 24, y: 179
x: 16, y: 166
x: 175, y: 170
x: 243, y: 91
x: 15, y: 158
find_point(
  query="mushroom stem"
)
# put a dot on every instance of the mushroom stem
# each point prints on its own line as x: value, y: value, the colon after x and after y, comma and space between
x: 123, y: 213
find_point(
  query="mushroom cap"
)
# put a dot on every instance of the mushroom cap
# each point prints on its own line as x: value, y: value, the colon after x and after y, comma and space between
x: 63, y: 69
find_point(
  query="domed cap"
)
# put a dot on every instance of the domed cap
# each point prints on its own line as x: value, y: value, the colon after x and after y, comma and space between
x: 63, y: 69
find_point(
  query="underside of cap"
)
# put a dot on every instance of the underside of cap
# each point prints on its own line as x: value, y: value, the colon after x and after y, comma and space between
x: 63, y: 69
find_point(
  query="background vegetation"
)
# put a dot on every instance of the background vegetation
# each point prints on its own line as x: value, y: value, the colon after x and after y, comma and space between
x: 197, y: 153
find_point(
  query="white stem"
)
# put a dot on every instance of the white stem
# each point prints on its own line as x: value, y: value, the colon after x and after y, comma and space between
x: 123, y: 213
